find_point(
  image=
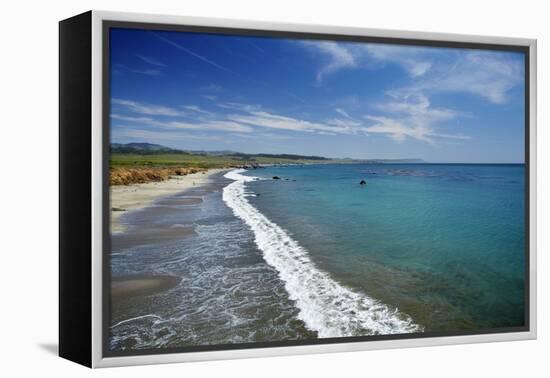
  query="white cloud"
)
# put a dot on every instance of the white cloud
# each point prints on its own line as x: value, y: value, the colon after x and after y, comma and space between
x: 405, y: 117
x: 254, y: 115
x: 221, y: 125
x: 151, y: 61
x: 342, y: 112
x: 488, y: 75
x: 339, y: 57
x: 345, y: 122
x: 131, y: 119
x: 129, y: 132
x: 265, y: 119
x: 409, y: 114
x: 194, y: 54
x: 451, y: 136
x: 327, y: 133
x: 399, y: 130
x: 412, y: 117
x: 240, y: 107
x: 413, y: 59
x: 147, y: 72
x: 121, y: 68
x: 417, y: 106
x: 345, y: 55
x: 182, y: 125
x: 212, y: 88
x: 485, y: 74
x: 195, y: 108
x: 198, y: 123
x: 148, y: 109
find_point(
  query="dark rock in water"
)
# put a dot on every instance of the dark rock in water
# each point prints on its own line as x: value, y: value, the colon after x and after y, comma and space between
x: 257, y: 194
x: 276, y: 178
x: 363, y: 182
x: 129, y: 343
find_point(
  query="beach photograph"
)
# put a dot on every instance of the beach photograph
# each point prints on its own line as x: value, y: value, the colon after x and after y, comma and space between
x: 276, y: 190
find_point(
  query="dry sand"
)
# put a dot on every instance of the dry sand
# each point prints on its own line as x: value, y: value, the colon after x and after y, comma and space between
x: 131, y: 197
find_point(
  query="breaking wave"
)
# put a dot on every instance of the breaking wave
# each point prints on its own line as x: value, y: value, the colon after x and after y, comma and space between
x: 325, y: 305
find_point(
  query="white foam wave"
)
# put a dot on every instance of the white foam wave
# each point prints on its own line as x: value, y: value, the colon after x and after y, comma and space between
x: 136, y: 318
x: 325, y: 305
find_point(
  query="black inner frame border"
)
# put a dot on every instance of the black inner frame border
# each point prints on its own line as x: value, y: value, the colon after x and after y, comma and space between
x: 107, y: 25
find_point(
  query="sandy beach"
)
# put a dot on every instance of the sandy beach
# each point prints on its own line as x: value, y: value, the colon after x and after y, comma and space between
x: 125, y: 198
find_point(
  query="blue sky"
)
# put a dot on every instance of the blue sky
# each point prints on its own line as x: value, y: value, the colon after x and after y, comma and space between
x: 337, y: 99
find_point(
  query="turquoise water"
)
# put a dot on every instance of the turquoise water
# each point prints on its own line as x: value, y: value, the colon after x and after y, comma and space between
x: 314, y: 254
x: 443, y: 244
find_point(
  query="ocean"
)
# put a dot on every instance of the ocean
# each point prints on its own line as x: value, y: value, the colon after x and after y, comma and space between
x: 314, y: 254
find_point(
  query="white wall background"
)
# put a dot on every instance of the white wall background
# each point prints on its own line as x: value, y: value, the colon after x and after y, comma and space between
x: 28, y: 148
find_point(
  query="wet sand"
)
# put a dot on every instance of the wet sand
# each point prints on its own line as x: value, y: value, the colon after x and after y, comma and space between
x: 151, y: 208
x: 227, y: 293
x: 125, y: 198
x: 152, y: 235
x: 141, y: 284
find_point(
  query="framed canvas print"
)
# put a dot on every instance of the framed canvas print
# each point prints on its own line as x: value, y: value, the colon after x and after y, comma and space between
x: 235, y: 189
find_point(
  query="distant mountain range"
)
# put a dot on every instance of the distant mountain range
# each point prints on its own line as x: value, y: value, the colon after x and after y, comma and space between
x: 157, y: 149
x: 142, y: 149
x: 153, y: 149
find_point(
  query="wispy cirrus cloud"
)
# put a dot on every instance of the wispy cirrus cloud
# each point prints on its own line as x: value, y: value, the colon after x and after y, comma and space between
x: 343, y: 113
x: 412, y: 117
x: 198, y: 124
x: 196, y: 109
x: 399, y: 130
x: 256, y: 116
x: 408, y: 113
x: 218, y: 125
x: 126, y: 132
x: 235, y: 117
x: 193, y: 54
x: 147, y: 72
x: 415, y: 60
x: 209, y: 97
x: 120, y: 68
x: 400, y: 118
x: 486, y: 74
x: 281, y: 122
x: 340, y: 56
x: 120, y: 117
x: 148, y: 109
x: 151, y: 61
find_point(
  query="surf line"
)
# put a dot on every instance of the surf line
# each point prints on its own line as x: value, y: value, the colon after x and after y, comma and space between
x: 325, y: 305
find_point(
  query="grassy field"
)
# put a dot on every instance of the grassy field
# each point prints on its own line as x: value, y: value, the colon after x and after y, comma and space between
x: 130, y: 168
x: 197, y: 161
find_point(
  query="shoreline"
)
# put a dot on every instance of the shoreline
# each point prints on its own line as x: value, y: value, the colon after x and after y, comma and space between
x: 295, y: 265
x: 125, y: 198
